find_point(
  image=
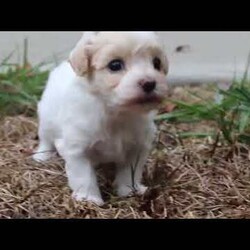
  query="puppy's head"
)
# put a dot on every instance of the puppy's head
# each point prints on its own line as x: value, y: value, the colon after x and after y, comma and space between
x: 125, y: 68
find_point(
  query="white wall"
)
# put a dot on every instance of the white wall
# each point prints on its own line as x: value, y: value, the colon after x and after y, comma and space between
x: 214, y: 56
x: 42, y: 45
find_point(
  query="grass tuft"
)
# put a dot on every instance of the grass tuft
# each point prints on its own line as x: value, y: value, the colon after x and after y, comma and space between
x: 21, y: 85
x: 228, y: 109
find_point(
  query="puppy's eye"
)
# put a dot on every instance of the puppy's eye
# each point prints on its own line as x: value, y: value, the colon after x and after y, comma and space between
x: 116, y: 65
x: 157, y: 63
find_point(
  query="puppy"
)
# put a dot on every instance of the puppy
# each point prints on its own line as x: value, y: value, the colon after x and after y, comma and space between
x: 99, y: 107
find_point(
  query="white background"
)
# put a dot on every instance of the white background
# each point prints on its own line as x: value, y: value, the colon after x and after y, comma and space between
x: 214, y: 56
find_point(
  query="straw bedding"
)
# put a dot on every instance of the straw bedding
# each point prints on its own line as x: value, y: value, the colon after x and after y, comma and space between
x: 185, y: 180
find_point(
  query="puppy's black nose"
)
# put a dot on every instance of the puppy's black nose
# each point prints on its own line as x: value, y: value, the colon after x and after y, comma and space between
x: 148, y: 87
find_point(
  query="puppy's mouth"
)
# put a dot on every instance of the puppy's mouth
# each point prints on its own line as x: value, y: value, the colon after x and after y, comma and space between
x: 147, y: 99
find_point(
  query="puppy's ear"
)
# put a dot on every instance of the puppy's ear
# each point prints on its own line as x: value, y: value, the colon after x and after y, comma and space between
x: 80, y: 57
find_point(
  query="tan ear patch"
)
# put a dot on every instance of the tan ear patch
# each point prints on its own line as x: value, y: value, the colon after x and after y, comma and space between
x: 80, y: 57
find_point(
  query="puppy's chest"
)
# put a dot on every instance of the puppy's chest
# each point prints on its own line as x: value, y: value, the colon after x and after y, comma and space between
x: 113, y: 145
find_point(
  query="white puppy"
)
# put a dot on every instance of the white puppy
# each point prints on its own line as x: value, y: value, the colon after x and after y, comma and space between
x: 99, y: 108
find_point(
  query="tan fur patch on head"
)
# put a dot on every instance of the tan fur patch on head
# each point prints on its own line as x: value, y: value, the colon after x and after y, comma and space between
x: 80, y: 57
x: 134, y: 49
x: 123, y: 45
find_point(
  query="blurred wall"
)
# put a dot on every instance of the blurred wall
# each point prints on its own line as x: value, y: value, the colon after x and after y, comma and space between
x: 202, y: 56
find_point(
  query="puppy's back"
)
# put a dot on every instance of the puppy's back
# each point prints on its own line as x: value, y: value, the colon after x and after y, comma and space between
x: 57, y: 87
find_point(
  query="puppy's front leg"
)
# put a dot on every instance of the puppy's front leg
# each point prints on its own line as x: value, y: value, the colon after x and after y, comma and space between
x: 81, y: 175
x: 129, y: 174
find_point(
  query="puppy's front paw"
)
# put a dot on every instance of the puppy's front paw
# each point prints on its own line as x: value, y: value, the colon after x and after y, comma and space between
x: 82, y: 196
x: 141, y: 189
x: 42, y: 157
x: 126, y: 191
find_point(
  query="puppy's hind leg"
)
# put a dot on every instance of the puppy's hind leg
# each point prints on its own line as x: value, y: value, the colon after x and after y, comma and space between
x: 45, y: 149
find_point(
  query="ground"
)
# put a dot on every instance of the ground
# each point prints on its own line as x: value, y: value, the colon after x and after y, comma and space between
x: 187, y: 178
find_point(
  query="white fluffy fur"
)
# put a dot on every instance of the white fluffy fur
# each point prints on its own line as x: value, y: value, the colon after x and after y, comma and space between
x: 92, y: 116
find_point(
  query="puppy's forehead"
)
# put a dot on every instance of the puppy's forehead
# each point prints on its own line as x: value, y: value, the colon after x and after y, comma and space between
x: 133, y: 39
